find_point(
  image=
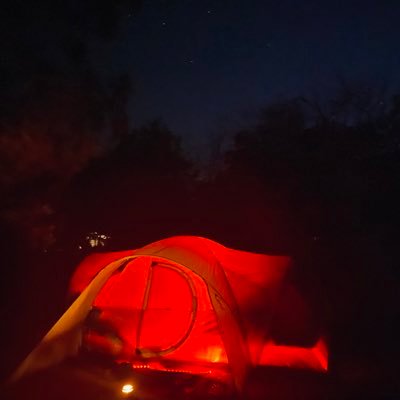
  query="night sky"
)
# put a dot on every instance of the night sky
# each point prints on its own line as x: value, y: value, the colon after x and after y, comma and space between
x: 203, y: 65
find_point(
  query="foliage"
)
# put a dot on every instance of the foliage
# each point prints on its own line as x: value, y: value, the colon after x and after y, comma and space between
x: 144, y: 181
x: 332, y: 179
x: 56, y: 114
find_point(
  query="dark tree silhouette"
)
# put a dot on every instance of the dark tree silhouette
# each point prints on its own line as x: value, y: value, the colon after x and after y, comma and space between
x: 56, y: 113
x: 136, y: 192
x: 331, y: 176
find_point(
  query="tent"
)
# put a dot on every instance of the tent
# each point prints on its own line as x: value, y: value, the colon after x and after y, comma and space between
x: 180, y: 304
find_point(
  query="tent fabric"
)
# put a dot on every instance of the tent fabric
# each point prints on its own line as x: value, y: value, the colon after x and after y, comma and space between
x: 184, y: 301
x: 254, y: 281
x: 64, y: 338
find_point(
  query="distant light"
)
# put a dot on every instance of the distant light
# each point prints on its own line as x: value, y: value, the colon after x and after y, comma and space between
x: 95, y: 239
x: 127, y: 388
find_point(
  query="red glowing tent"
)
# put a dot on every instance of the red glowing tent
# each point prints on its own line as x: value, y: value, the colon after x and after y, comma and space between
x: 181, y: 304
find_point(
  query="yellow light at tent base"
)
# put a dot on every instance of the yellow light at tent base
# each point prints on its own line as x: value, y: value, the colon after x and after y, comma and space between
x: 127, y: 388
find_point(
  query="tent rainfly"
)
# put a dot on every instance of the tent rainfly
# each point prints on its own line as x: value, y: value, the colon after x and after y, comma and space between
x: 181, y: 304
